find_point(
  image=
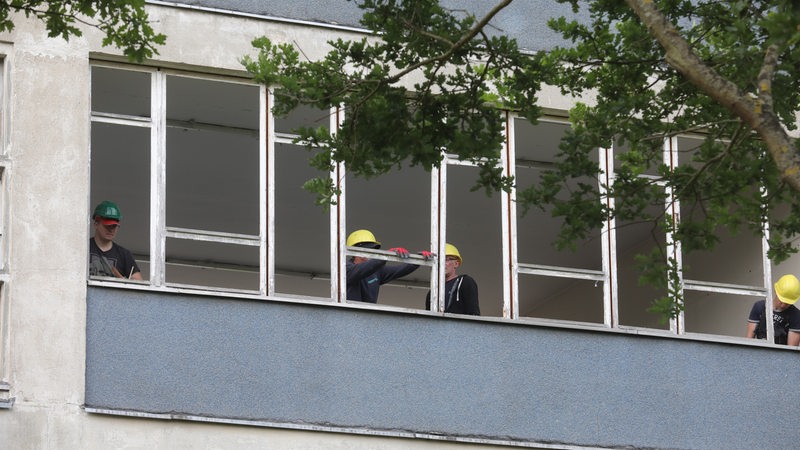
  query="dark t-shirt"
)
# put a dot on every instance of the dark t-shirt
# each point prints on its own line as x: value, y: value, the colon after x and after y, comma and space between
x: 784, y: 321
x: 100, y: 262
x: 461, y: 296
x: 365, y: 279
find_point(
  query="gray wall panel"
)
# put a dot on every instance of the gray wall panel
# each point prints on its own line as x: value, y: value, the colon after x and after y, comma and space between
x: 524, y: 20
x: 281, y: 362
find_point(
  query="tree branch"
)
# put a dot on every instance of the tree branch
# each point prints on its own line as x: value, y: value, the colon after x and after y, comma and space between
x: 763, y: 120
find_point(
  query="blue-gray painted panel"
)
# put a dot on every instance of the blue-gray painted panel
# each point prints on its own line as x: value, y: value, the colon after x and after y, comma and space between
x: 524, y: 20
x: 310, y: 364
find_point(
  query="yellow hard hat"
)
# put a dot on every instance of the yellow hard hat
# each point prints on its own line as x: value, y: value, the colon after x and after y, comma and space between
x: 788, y: 289
x: 451, y: 250
x: 362, y: 236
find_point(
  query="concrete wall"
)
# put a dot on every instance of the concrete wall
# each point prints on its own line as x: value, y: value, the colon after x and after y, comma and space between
x: 48, y: 144
x: 362, y: 369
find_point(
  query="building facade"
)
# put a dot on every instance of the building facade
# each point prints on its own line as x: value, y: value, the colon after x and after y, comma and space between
x: 241, y: 336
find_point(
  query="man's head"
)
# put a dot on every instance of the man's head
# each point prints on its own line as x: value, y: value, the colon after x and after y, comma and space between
x: 107, y: 213
x: 787, y: 292
x: 452, y: 261
x: 106, y: 219
x: 362, y: 238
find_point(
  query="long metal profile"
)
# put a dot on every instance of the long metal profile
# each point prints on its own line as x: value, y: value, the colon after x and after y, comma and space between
x: 561, y: 272
x: 268, y: 221
x: 673, y: 208
x: 213, y: 236
x: 723, y: 288
x: 609, y: 242
x: 158, y: 176
x: 266, y: 124
x: 508, y: 210
x: 767, y: 271
x: 338, y: 221
x: 437, y: 243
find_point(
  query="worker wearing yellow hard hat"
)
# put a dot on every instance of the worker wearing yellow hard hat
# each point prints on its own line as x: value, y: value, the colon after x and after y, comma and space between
x: 785, y: 315
x: 460, y: 291
x: 365, y: 275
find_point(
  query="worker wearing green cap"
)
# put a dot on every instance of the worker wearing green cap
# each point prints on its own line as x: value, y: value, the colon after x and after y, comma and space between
x: 106, y: 257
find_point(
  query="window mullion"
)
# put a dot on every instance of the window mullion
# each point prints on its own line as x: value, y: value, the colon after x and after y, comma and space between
x: 673, y: 208
x: 767, y: 270
x: 508, y: 210
x: 609, y: 243
x: 437, y: 243
x: 158, y: 173
x: 266, y: 194
x: 338, y: 224
x: 438, y: 295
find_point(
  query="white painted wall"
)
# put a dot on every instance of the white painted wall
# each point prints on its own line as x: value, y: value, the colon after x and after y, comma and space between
x: 48, y: 145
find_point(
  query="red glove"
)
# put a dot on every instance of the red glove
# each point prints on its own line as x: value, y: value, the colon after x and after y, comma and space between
x: 401, y: 252
x: 426, y: 255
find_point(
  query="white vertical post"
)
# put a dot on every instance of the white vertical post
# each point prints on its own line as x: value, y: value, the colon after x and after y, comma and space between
x: 266, y: 183
x: 338, y: 223
x: 158, y: 178
x: 767, y: 271
x: 437, y: 301
x: 609, y: 241
x: 508, y: 208
x: 673, y: 210
x: 436, y: 244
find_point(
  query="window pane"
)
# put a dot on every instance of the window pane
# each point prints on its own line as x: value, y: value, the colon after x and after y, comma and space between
x: 120, y: 172
x: 212, y: 264
x: 474, y: 226
x: 634, y: 239
x: 302, y: 116
x: 212, y: 156
x: 208, y: 103
x: 302, y: 242
x: 396, y: 207
x: 121, y: 92
x: 715, y: 313
x: 560, y: 298
x: 212, y: 180
x: 536, y: 149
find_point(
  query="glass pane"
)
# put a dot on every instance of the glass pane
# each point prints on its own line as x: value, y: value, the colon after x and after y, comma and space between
x: 212, y: 156
x: 735, y: 259
x: 193, y: 102
x: 536, y: 149
x: 212, y: 181
x: 474, y: 226
x: 302, y: 230
x: 396, y: 208
x: 302, y: 116
x: 715, y: 313
x: 212, y: 264
x: 120, y: 172
x: 560, y: 298
x: 121, y: 91
x: 634, y: 239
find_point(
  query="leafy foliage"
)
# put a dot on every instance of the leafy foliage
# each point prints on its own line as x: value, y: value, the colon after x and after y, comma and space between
x: 737, y: 96
x: 125, y: 23
x: 453, y: 106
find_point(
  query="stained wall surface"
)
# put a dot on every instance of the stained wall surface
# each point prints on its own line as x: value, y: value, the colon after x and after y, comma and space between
x: 365, y: 369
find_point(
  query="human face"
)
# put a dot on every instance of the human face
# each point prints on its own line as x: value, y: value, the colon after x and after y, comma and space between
x: 105, y: 232
x: 451, y: 263
x: 778, y: 305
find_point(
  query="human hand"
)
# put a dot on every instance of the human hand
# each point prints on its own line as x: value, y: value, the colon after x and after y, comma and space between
x: 400, y: 251
x: 427, y: 256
